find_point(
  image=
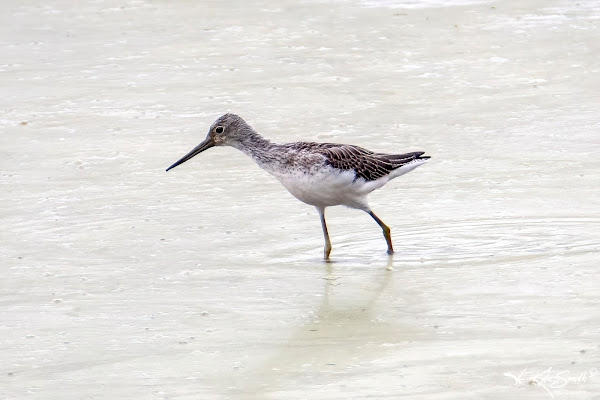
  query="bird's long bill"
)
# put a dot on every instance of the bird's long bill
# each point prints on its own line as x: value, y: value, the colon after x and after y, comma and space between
x: 206, y: 144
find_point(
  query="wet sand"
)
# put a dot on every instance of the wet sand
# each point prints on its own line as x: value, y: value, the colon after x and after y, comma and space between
x: 206, y: 282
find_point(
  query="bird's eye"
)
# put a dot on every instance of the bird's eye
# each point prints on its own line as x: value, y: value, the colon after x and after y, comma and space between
x: 219, y: 129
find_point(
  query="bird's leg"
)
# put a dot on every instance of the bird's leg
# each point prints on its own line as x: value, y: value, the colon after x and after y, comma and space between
x: 386, y: 231
x: 327, y: 248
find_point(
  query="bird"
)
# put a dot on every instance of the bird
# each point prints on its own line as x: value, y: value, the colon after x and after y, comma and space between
x: 319, y: 174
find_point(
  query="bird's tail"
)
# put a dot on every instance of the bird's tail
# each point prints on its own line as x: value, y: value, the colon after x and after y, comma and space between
x: 399, y: 160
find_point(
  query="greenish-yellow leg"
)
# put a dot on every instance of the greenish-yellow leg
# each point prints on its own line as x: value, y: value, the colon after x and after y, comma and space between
x: 386, y: 232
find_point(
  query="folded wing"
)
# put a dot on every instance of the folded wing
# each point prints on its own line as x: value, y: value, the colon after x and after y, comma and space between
x: 366, y: 164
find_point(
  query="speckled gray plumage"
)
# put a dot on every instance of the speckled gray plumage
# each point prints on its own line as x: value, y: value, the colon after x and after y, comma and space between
x: 365, y: 163
x: 308, y: 155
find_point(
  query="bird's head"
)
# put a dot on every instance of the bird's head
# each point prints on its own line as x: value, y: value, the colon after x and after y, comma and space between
x: 227, y: 130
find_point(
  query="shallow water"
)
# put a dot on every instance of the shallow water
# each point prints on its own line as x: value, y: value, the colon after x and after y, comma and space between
x: 123, y: 281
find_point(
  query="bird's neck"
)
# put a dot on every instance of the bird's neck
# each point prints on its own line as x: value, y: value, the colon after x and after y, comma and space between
x: 259, y: 149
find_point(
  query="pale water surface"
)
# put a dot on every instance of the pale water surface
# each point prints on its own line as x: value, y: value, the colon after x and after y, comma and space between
x: 121, y: 281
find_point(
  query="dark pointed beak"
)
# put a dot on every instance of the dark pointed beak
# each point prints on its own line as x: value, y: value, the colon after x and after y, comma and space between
x: 206, y: 144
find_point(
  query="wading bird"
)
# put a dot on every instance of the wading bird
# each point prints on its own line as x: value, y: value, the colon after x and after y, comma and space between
x: 319, y: 174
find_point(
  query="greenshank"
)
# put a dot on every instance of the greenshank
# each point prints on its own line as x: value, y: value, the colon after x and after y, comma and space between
x: 319, y: 174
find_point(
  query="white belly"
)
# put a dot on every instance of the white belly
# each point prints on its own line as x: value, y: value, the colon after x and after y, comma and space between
x: 324, y: 186
x: 328, y: 187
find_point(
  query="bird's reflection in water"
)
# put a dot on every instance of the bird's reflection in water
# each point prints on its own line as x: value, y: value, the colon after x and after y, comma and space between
x: 347, y: 329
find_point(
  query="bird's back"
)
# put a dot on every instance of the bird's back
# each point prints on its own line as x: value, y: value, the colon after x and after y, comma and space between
x: 366, y: 164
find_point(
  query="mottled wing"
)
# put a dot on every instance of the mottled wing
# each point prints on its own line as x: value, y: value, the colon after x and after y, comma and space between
x: 366, y: 164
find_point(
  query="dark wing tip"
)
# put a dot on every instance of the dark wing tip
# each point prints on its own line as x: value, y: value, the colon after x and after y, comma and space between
x: 418, y: 155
